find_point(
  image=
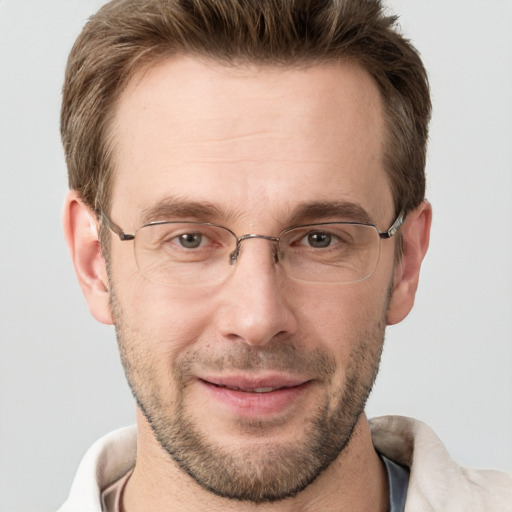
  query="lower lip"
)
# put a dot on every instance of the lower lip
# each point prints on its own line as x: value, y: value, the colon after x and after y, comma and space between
x: 248, y: 404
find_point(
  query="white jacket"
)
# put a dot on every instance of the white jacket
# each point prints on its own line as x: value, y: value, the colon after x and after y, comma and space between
x: 436, y: 484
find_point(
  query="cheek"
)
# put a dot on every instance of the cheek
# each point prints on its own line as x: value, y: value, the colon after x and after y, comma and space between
x: 163, y: 320
x: 340, y: 313
x: 351, y: 325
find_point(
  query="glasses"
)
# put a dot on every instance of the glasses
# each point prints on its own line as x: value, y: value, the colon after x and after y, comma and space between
x: 183, y: 253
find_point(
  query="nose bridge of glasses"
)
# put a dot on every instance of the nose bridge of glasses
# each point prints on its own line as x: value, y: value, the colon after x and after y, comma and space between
x: 233, y: 257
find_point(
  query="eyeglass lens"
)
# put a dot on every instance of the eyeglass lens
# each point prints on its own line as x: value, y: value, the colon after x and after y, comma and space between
x: 188, y: 254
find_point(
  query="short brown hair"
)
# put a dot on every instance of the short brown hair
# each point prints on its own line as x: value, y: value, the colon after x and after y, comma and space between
x: 126, y: 35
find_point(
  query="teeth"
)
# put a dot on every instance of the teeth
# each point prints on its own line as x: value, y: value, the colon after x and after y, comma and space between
x: 255, y: 390
x: 263, y: 390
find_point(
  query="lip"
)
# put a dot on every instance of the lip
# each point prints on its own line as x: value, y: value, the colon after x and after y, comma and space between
x: 256, y: 396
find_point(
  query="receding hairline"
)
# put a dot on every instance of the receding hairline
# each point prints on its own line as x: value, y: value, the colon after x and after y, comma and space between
x: 140, y: 67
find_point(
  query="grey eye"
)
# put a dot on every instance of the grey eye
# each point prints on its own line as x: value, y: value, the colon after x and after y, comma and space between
x: 319, y: 239
x: 191, y: 240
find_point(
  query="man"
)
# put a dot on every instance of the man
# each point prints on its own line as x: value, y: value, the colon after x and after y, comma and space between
x: 247, y: 208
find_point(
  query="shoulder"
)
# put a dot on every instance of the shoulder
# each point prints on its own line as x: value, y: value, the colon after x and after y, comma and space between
x: 107, y: 460
x: 437, y: 482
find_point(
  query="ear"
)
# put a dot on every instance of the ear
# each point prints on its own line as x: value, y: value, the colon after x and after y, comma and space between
x: 415, y: 235
x: 81, y: 232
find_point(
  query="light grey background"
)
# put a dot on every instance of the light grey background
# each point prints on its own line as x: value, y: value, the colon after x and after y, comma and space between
x: 449, y: 363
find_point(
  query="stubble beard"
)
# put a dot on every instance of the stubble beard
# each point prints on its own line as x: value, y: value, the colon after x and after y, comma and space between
x: 259, y: 472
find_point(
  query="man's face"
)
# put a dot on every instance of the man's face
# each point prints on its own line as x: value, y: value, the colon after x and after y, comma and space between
x: 254, y: 385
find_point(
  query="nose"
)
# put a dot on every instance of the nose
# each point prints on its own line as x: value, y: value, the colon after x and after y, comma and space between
x: 256, y: 301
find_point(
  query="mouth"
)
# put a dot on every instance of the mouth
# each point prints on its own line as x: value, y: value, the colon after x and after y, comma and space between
x: 256, y: 383
x: 261, y: 390
x: 258, y: 396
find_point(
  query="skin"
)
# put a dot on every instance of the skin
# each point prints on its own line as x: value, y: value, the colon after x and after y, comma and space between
x: 257, y: 143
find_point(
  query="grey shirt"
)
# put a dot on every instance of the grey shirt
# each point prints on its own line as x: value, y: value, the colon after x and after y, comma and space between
x: 398, y: 480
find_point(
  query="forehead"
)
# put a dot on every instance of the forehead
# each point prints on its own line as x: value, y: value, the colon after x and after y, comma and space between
x: 253, y: 141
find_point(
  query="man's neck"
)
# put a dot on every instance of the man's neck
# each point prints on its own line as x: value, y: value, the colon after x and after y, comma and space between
x: 356, y: 480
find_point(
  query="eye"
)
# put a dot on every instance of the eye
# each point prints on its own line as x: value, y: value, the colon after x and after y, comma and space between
x: 319, y: 239
x: 191, y: 240
x: 183, y: 240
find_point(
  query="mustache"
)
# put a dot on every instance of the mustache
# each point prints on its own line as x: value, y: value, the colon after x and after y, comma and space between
x: 279, y: 356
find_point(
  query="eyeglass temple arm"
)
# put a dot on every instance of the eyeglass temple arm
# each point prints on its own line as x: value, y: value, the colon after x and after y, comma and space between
x: 394, y: 227
x: 104, y: 218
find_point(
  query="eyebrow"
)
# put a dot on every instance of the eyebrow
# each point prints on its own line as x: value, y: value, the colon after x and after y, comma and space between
x: 171, y: 208
x: 330, y: 210
x: 175, y: 208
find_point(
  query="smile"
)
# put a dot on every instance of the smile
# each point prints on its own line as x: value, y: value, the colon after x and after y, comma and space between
x: 252, y: 390
x: 244, y: 396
